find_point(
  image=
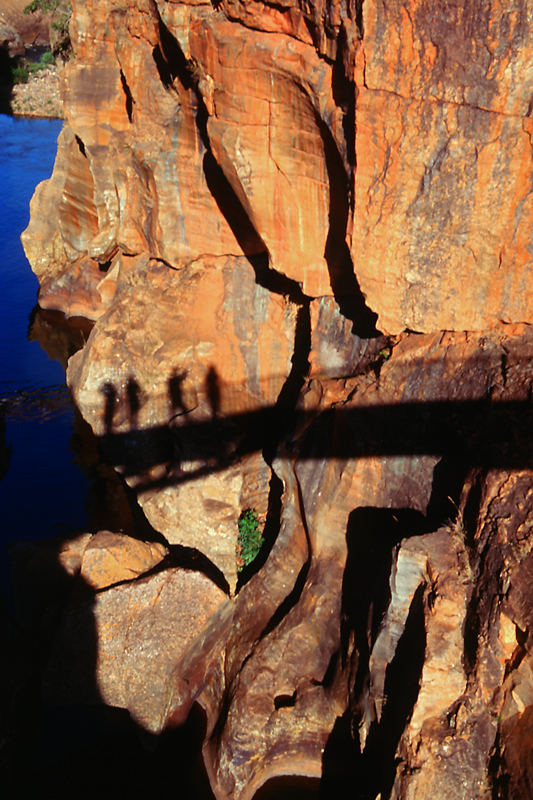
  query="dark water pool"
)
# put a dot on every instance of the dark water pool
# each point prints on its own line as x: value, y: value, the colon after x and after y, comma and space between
x: 42, y: 490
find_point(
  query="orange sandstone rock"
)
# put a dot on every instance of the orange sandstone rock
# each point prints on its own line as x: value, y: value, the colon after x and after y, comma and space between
x: 232, y: 186
x: 131, y: 636
x: 113, y: 557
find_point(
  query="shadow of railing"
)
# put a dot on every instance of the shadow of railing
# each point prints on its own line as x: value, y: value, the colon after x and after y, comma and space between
x: 480, y: 433
x: 206, y: 436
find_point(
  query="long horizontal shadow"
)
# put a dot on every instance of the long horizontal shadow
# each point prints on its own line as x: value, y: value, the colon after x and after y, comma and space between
x: 480, y: 433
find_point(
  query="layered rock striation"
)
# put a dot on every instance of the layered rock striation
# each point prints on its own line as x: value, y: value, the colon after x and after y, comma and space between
x: 303, y: 233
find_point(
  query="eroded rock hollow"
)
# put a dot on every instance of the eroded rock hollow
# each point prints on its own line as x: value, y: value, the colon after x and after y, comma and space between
x: 304, y: 233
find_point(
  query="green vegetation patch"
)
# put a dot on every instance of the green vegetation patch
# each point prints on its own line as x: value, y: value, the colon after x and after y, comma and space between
x: 61, y: 11
x: 23, y: 68
x: 249, y: 540
x: 20, y: 73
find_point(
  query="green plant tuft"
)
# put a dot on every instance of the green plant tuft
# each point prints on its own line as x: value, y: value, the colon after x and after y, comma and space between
x: 41, y: 5
x: 20, y: 73
x: 249, y: 540
x: 47, y: 59
x: 22, y: 69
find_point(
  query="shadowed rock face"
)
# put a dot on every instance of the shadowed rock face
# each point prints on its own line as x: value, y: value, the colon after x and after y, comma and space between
x: 303, y: 232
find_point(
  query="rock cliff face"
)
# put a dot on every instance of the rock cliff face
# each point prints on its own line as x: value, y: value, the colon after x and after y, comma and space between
x: 304, y: 234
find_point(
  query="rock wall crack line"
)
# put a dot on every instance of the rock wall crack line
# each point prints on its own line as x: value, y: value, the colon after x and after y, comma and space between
x: 443, y: 102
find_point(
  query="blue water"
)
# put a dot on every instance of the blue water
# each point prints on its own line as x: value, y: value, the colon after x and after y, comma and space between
x: 43, y: 492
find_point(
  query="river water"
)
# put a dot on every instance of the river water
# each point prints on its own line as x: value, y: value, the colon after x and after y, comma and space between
x: 42, y: 492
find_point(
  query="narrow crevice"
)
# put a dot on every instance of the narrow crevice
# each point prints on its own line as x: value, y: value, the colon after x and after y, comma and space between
x: 275, y: 281
x: 227, y: 700
x: 499, y: 779
x: 487, y: 565
x: 281, y: 420
x: 81, y: 146
x: 372, y: 535
x: 344, y: 284
x: 129, y: 98
x: 192, y: 559
x: 471, y: 635
x: 289, y: 602
x: 276, y: 424
x: 165, y: 74
x: 402, y: 685
x: 520, y: 652
x: 229, y: 205
x: 165, y: 263
x: 172, y: 64
x: 472, y: 508
x: 359, y: 18
x: 182, y: 557
x: 448, y: 480
x: 343, y: 90
x: 169, y: 57
x: 294, y: 595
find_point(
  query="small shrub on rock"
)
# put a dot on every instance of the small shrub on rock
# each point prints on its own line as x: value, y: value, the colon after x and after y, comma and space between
x: 20, y: 73
x: 249, y: 540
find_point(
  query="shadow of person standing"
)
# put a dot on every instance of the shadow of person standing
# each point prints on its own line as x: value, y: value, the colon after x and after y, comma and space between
x: 133, y: 395
x: 110, y: 402
x: 175, y: 392
x: 212, y: 390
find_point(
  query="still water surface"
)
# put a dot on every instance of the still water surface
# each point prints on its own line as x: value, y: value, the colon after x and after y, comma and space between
x: 43, y: 492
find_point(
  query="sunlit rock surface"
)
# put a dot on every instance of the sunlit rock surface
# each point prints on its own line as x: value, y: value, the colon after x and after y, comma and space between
x: 304, y: 234
x: 111, y: 558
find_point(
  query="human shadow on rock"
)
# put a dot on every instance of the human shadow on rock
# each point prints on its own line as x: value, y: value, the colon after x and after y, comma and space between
x: 176, y: 393
x: 469, y: 433
x: 133, y: 396
x: 111, y: 397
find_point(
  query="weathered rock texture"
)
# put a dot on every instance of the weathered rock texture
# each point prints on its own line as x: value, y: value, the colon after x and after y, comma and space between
x: 304, y: 233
